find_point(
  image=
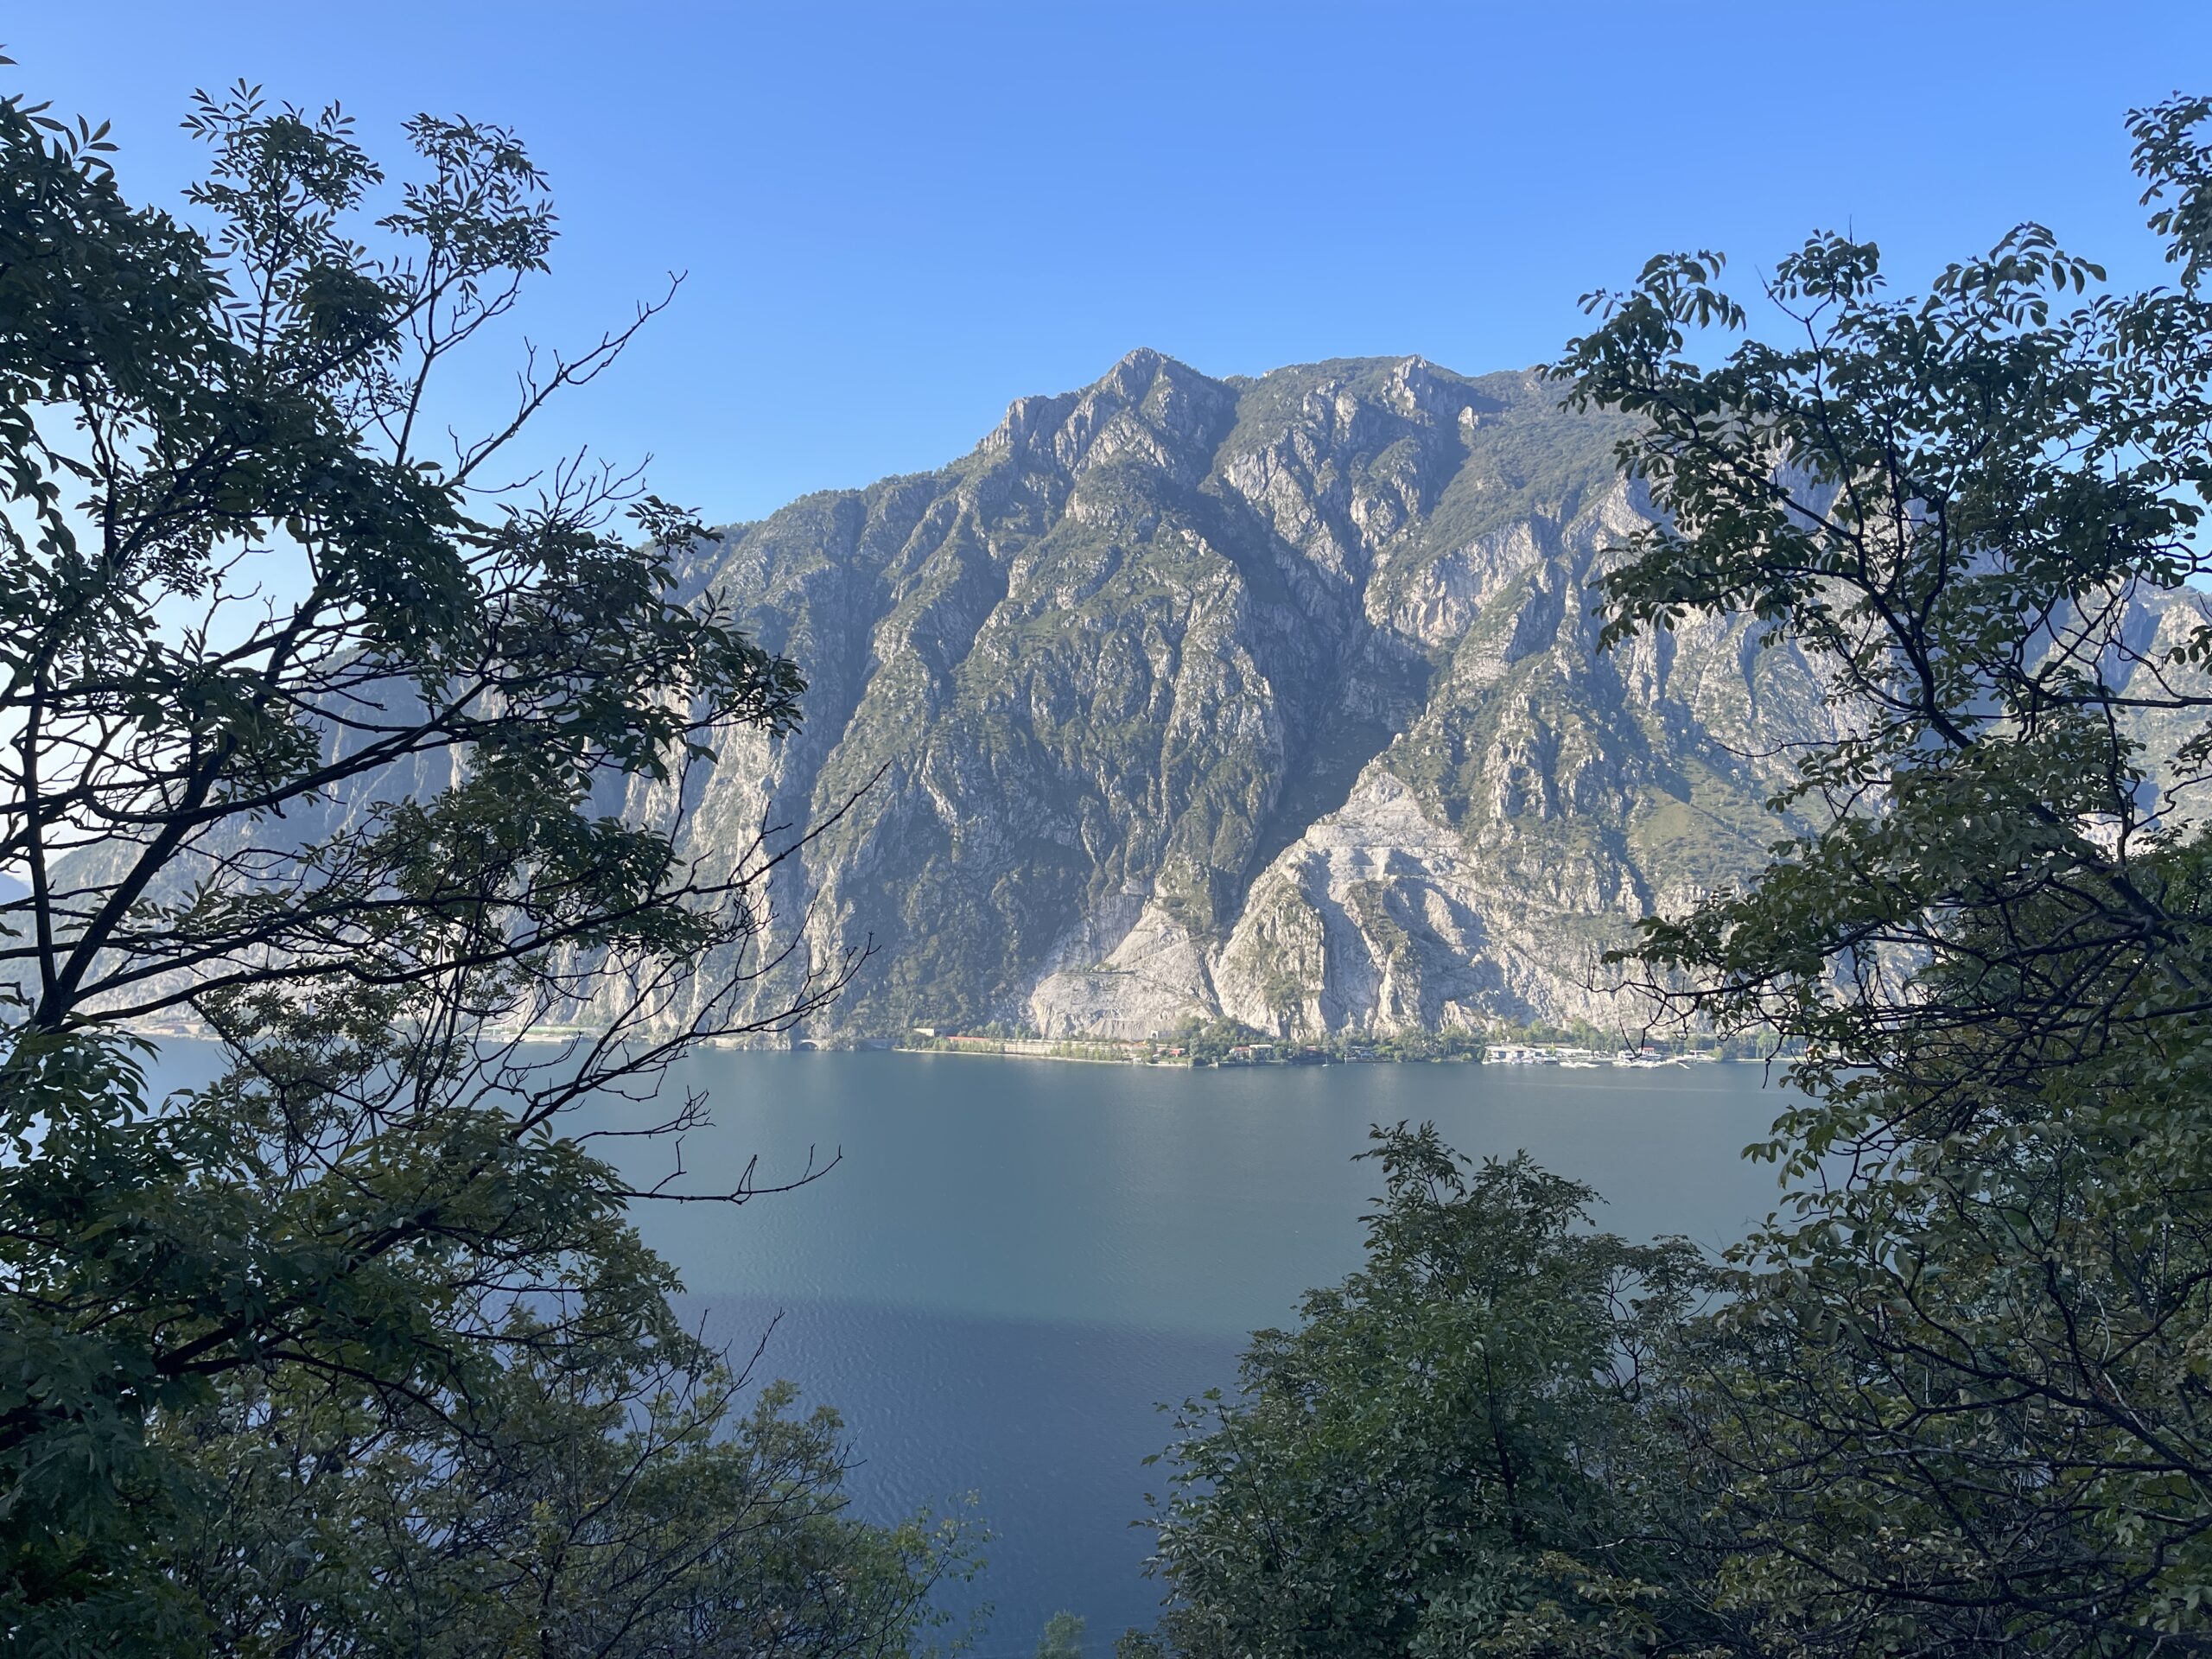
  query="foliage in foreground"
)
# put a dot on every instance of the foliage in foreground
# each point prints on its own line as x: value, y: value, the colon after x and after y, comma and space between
x: 1954, y: 1410
x: 1449, y: 1441
x: 364, y: 762
x: 1956, y: 1398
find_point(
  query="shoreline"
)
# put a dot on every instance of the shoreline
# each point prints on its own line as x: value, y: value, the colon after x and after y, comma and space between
x: 1022, y: 1054
x: 982, y: 1049
x: 1040, y: 1049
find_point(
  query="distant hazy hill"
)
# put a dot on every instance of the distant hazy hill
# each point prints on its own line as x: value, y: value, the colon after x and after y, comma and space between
x: 1274, y: 697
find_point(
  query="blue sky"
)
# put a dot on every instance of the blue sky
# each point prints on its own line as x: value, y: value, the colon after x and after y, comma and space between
x: 896, y: 219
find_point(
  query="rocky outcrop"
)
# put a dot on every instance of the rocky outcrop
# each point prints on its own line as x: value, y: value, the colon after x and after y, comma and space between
x: 1275, y: 698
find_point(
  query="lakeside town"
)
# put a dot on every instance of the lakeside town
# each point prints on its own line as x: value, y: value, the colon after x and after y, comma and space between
x: 1223, y: 1043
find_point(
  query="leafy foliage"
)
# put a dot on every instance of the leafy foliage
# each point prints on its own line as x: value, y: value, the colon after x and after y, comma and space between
x: 364, y: 763
x: 1960, y: 1403
x: 1977, y: 510
x: 1955, y: 1399
x: 1448, y: 1443
x: 1062, y: 1638
x: 603, y: 1499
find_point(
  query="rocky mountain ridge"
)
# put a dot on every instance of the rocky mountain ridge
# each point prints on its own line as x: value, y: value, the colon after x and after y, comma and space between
x: 1276, y: 697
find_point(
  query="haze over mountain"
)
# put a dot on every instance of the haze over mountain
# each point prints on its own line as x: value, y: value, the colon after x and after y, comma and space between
x: 1277, y: 698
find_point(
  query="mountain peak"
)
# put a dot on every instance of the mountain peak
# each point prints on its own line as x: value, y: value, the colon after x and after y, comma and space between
x: 1147, y: 399
x: 1275, y: 698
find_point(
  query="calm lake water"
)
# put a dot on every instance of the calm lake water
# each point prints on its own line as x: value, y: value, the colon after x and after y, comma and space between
x: 1012, y: 1262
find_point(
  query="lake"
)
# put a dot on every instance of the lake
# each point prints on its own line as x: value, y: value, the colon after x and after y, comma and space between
x: 1013, y: 1261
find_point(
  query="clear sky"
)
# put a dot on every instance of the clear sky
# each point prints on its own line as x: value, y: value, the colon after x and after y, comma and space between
x: 896, y: 219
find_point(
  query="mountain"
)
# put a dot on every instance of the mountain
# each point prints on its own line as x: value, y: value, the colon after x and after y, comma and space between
x: 1276, y: 697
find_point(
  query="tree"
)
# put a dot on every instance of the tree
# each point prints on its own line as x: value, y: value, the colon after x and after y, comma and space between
x: 1954, y: 1397
x: 1976, y: 513
x: 594, y: 1500
x: 1449, y: 1450
x: 367, y: 763
x: 1062, y: 1638
x: 1959, y: 1402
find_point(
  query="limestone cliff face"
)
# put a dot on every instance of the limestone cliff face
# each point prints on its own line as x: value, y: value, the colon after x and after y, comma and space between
x: 1277, y: 697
